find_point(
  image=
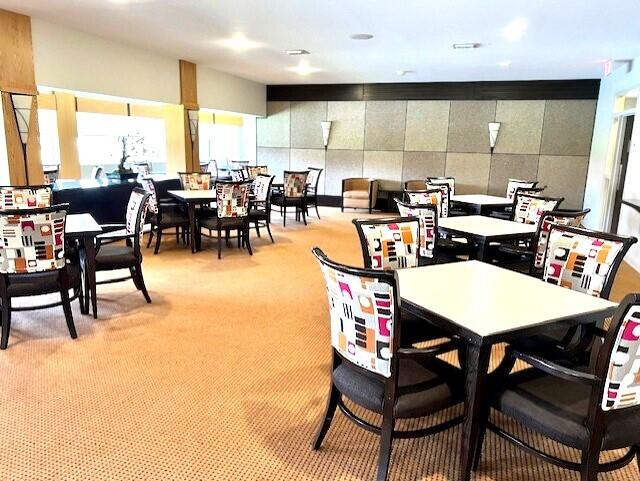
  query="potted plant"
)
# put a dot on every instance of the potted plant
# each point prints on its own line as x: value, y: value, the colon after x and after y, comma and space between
x: 130, y: 146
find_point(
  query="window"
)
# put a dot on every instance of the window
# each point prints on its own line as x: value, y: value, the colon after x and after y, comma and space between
x: 49, y: 146
x: 227, y: 140
x: 102, y: 138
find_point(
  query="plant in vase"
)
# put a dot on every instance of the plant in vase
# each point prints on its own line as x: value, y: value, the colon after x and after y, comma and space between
x: 130, y: 146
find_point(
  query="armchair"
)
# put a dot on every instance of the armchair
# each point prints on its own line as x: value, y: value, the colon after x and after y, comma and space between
x: 359, y: 193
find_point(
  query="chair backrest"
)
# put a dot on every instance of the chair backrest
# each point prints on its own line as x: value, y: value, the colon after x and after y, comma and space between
x: 313, y: 178
x: 136, y: 215
x: 262, y: 187
x: 527, y: 208
x: 25, y: 197
x: 149, y: 186
x: 584, y: 260
x: 255, y: 170
x: 390, y: 243
x: 425, y: 197
x: 445, y: 196
x: 621, y: 387
x: 450, y: 181
x: 143, y: 169
x: 571, y: 218
x: 212, y: 168
x: 232, y: 199
x: 513, y: 184
x: 195, y: 180
x: 51, y: 174
x: 204, y: 167
x: 32, y: 240
x: 237, y: 175
x: 428, y: 216
x: 415, y: 185
x: 364, y: 315
x: 97, y: 172
x: 295, y: 183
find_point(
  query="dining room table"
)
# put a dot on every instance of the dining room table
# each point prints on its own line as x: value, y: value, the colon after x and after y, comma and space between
x: 480, y: 204
x: 193, y: 199
x: 85, y: 229
x: 483, y: 305
x: 480, y: 231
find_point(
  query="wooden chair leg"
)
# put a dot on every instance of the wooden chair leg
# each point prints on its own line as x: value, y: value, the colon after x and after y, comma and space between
x: 284, y: 220
x: 304, y: 215
x: 150, y: 238
x: 138, y: 279
x: 246, y: 238
x: 178, y: 235
x: 386, y: 440
x: 269, y: 231
x: 590, y: 463
x: 638, y: 456
x: 332, y: 404
x: 68, y: 315
x: 6, y: 322
x: 317, y: 212
x: 258, y: 228
x: 158, y: 239
x: 219, y: 244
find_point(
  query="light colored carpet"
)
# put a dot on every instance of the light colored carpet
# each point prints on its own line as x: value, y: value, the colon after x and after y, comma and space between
x: 223, y: 377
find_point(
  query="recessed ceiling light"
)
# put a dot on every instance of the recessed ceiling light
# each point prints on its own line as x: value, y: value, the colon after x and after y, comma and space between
x: 297, y: 51
x: 360, y: 36
x: 240, y: 43
x: 303, y: 68
x: 460, y: 46
x: 504, y: 63
x: 515, y: 29
x: 402, y: 73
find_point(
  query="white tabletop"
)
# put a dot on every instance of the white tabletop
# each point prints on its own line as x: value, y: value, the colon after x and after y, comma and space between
x: 483, y: 226
x: 194, y: 194
x: 81, y: 223
x: 488, y: 300
x: 481, y: 199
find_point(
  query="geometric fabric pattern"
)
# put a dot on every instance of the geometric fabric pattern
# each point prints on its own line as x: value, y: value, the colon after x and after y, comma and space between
x: 513, y: 184
x: 256, y: 170
x: 426, y: 197
x: 51, y: 177
x: 237, y: 175
x: 580, y: 262
x: 622, y: 388
x: 143, y: 169
x: 529, y: 208
x: 312, y: 178
x: 261, y: 187
x: 196, y: 181
x: 137, y: 202
x: 445, y: 191
x: 24, y: 198
x: 545, y: 227
x: 428, y: 216
x: 392, y: 246
x: 32, y: 242
x: 295, y: 183
x: 232, y: 200
x: 362, y: 316
x: 450, y: 181
x: 149, y: 186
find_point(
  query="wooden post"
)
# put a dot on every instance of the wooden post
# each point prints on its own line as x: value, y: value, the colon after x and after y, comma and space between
x: 189, y: 99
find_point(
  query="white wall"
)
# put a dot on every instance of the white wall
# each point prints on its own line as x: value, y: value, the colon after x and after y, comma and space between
x: 223, y: 91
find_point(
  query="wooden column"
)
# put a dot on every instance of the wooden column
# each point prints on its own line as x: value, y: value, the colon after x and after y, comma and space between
x: 17, y: 76
x: 68, y: 136
x: 189, y: 100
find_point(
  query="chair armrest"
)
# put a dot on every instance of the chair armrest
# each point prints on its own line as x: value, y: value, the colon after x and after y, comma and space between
x: 556, y: 370
x: 106, y: 228
x: 413, y: 353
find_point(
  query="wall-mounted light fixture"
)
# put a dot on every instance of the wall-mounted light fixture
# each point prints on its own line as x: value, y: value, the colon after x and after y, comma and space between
x: 494, y: 128
x: 193, y: 125
x: 22, y: 110
x: 326, y: 131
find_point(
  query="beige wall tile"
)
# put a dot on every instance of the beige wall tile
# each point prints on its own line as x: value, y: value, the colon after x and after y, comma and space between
x: 347, y: 130
x: 420, y: 165
x: 564, y: 176
x: 277, y: 159
x: 521, y: 126
x: 341, y: 164
x: 306, y: 131
x: 468, y: 125
x: 511, y: 166
x: 427, y: 125
x: 568, y: 127
x: 302, y: 159
x: 273, y: 130
x: 470, y: 170
x: 384, y: 125
x: 384, y: 165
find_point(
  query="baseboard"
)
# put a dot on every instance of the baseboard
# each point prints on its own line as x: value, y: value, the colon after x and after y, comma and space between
x: 336, y: 201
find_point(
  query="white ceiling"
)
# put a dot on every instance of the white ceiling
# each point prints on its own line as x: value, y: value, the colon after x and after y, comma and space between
x: 563, y: 38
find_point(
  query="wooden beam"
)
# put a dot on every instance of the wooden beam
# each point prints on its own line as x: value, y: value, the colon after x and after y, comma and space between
x: 68, y: 136
x: 15, y: 153
x: 17, y: 74
x: 188, y: 85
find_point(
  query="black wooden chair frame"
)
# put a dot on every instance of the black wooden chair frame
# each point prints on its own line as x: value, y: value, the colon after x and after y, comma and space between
x: 262, y: 207
x: 359, y: 223
x: 312, y: 192
x: 299, y: 203
x: 182, y: 228
x: 422, y: 260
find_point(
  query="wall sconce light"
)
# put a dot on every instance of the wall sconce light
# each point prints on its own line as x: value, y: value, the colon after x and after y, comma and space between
x: 193, y: 125
x: 494, y: 128
x: 22, y: 111
x: 326, y: 131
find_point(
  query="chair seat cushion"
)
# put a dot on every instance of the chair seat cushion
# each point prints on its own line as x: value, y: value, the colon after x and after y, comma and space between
x: 225, y: 223
x: 289, y: 201
x: 356, y: 194
x: 115, y: 256
x: 514, y: 250
x: 170, y: 219
x: 450, y: 246
x: 558, y: 409
x: 41, y: 282
x: 420, y: 390
x: 256, y: 214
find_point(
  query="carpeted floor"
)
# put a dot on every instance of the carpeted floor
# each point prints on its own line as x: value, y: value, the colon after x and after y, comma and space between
x: 223, y: 377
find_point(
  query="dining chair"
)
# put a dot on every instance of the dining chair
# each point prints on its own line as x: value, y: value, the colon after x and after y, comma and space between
x: 528, y: 208
x: 389, y: 243
x: 212, y: 169
x: 448, y: 180
x: 313, y: 180
x: 195, y: 180
x: 506, y: 212
x: 25, y: 197
x: 143, y: 169
x: 370, y: 369
x: 163, y: 216
x: 260, y: 211
x: 591, y: 409
x: 513, y: 184
x: 51, y: 173
x: 98, y: 173
x: 445, y: 196
x: 293, y: 194
x: 533, y: 254
x: 428, y: 217
x: 425, y: 196
x: 237, y: 175
x: 119, y: 246
x: 33, y: 262
x: 232, y: 213
x: 254, y: 171
x: 204, y: 167
x: 418, y: 184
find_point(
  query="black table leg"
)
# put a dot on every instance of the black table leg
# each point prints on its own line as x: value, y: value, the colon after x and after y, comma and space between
x: 481, y: 249
x: 191, y: 209
x: 477, y: 365
x: 90, y: 275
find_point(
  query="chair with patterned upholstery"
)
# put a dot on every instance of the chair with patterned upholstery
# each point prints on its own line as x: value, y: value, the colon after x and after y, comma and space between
x: 195, y: 180
x: 232, y: 200
x: 143, y: 169
x: 528, y: 208
x: 389, y: 243
x: 119, y: 247
x: 448, y: 180
x: 313, y: 180
x: 293, y: 194
x: 428, y: 216
x: 33, y: 262
x: 260, y: 212
x: 513, y: 184
x: 371, y: 370
x: 425, y: 196
x: 51, y: 173
x: 507, y: 212
x: 163, y: 216
x: 25, y: 197
x: 254, y: 171
x: 359, y: 193
x: 237, y: 175
x: 445, y: 197
x: 415, y: 185
x: 204, y: 167
x: 590, y: 409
